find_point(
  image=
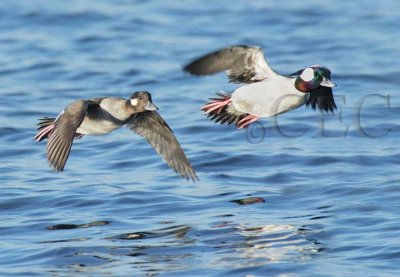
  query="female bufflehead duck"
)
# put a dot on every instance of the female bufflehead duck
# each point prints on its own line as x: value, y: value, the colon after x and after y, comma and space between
x: 103, y: 115
x: 266, y: 93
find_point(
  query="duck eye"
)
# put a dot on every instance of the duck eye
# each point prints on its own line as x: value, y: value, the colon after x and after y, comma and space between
x: 140, y: 98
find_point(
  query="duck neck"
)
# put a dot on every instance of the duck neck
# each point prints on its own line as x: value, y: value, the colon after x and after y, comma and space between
x: 130, y: 108
x: 302, y: 85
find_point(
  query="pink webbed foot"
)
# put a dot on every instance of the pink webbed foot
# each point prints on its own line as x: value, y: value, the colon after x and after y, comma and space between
x: 246, y: 121
x: 217, y: 105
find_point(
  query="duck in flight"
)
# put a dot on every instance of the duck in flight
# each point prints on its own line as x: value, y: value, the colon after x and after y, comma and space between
x: 265, y: 92
x: 99, y: 116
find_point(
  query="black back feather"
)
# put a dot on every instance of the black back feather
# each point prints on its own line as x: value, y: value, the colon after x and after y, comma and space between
x: 322, y: 97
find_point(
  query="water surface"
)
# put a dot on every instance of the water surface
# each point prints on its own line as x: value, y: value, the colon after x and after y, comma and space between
x: 330, y: 183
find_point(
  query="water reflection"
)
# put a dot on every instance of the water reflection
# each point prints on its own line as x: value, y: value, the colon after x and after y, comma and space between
x: 171, y: 248
x: 271, y: 243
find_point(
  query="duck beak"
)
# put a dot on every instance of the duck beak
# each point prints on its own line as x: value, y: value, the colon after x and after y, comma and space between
x: 150, y: 107
x: 327, y: 83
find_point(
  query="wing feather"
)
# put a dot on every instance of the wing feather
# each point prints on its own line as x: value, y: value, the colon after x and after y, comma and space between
x: 156, y: 131
x: 60, y: 141
x: 242, y: 64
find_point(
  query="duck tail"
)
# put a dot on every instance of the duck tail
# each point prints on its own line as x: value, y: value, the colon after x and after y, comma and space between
x: 46, y: 126
x: 221, y: 111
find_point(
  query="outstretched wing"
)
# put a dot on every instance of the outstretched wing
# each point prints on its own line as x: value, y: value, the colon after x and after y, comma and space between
x: 242, y: 63
x: 323, y: 98
x: 152, y: 127
x: 60, y: 141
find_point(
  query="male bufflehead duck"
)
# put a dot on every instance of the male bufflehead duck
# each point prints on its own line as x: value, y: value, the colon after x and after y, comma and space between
x: 266, y: 93
x: 103, y: 115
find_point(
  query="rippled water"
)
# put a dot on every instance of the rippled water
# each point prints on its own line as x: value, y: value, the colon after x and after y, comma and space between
x: 330, y: 183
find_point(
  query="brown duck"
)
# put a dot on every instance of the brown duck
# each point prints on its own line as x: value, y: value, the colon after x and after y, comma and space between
x: 99, y: 116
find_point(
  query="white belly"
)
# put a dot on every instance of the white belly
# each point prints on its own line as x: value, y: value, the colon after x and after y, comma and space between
x: 269, y: 97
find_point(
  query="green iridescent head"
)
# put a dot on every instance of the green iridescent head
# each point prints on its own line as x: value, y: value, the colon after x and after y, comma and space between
x: 313, y: 77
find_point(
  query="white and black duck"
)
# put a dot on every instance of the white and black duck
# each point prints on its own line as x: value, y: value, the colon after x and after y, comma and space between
x: 265, y: 92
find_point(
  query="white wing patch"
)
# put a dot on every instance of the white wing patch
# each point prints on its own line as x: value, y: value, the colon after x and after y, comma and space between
x: 134, y: 102
x: 59, y: 115
x: 307, y: 74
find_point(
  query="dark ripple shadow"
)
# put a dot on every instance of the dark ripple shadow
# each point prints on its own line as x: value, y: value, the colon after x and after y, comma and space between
x: 34, y: 67
x: 86, y: 75
x: 89, y: 39
x: 64, y: 226
x: 65, y: 19
x: 178, y: 231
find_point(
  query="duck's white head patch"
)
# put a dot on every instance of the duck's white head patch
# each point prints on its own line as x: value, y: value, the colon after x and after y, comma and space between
x: 134, y: 101
x: 307, y: 74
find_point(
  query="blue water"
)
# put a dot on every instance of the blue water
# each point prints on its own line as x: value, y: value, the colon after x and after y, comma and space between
x: 330, y: 183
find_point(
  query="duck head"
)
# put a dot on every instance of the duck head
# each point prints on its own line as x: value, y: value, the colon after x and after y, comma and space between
x: 313, y: 77
x: 140, y: 101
